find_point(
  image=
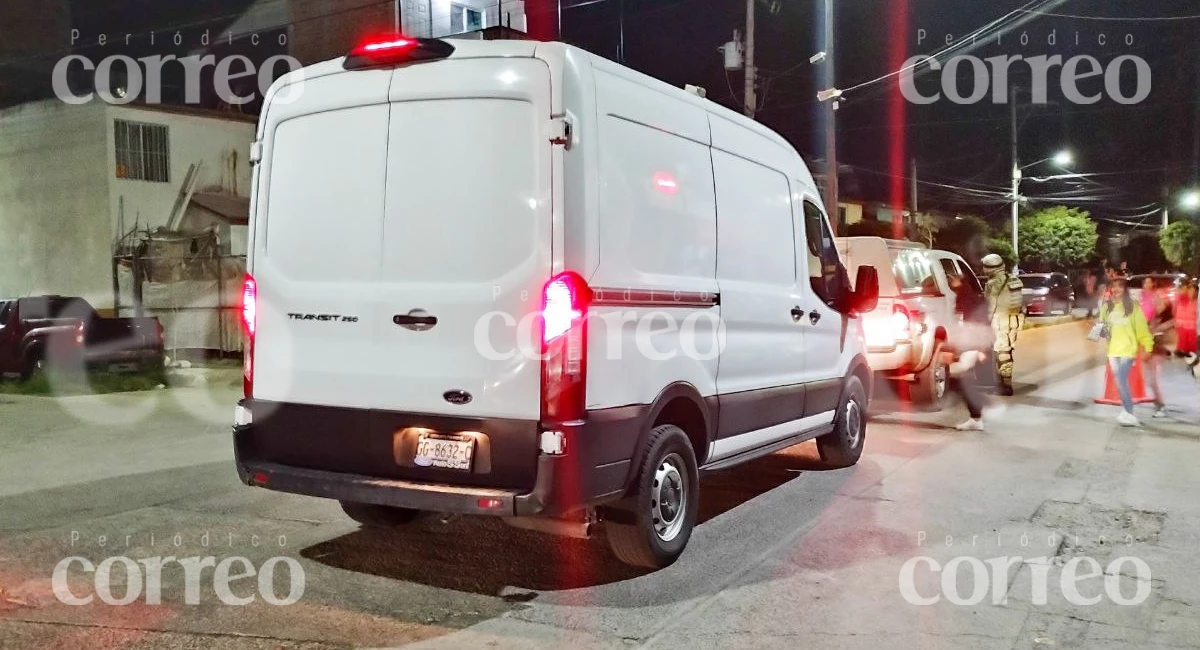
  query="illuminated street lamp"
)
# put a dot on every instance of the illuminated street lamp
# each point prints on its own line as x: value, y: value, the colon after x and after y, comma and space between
x: 1190, y: 200
x: 1060, y: 159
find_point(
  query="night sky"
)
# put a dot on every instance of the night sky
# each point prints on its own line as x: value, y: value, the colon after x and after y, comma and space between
x: 1136, y: 149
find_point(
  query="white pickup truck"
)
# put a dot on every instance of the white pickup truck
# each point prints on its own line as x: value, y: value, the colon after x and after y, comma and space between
x: 906, y: 332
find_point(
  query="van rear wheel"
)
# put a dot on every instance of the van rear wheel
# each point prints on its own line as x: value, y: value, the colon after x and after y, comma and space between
x: 653, y: 524
x: 844, y: 445
x: 373, y: 516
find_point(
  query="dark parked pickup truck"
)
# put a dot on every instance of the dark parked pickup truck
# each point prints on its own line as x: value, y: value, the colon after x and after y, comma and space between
x: 67, y: 331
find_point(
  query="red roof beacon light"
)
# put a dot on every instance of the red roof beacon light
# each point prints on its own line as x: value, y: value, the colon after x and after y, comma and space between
x: 384, y: 51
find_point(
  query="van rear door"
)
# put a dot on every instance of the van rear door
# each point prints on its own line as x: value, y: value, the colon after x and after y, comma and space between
x: 405, y: 239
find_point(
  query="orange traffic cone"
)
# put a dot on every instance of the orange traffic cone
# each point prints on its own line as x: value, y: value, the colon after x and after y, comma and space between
x: 1137, y: 386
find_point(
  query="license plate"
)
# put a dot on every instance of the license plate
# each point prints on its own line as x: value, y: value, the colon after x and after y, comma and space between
x: 445, y: 452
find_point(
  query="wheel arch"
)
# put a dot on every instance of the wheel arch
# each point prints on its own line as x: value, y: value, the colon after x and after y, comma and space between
x: 682, y: 405
x: 859, y: 367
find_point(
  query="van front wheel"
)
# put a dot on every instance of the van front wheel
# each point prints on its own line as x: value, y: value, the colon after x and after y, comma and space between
x: 844, y: 445
x: 653, y: 524
x: 373, y: 516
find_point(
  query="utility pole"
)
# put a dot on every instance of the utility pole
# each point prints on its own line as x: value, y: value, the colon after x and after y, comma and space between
x: 621, y: 45
x: 751, y: 71
x: 831, y: 160
x: 1016, y: 176
x: 916, y: 206
x: 1166, y: 207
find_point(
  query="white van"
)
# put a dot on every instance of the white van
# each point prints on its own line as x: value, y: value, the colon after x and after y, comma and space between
x: 512, y: 278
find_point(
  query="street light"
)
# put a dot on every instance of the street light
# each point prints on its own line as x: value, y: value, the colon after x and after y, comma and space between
x: 1060, y: 159
x: 1190, y: 200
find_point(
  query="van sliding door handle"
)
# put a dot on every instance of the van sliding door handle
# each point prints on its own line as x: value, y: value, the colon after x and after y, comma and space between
x: 417, y: 320
x: 797, y: 314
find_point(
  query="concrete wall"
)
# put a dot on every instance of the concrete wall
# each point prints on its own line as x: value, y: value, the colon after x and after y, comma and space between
x: 221, y: 144
x: 59, y: 194
x: 326, y: 29
x: 431, y: 18
x: 853, y: 213
x: 54, y: 218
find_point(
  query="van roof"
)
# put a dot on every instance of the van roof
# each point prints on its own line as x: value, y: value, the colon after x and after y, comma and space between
x: 474, y: 49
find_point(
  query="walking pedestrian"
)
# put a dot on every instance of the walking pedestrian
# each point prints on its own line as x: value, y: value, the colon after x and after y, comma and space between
x: 1185, y: 320
x: 1007, y: 315
x: 1128, y: 338
x: 1091, y: 291
x: 1161, y: 322
x: 969, y: 341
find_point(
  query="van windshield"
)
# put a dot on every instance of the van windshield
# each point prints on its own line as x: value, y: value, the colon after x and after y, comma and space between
x: 912, y: 269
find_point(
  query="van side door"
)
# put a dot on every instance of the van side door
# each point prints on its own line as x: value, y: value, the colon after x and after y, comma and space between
x: 759, y: 378
x: 827, y: 332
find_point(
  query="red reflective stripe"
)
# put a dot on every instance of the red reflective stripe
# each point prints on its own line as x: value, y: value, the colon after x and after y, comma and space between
x: 614, y: 297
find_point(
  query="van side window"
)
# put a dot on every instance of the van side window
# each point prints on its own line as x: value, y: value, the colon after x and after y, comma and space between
x: 824, y: 266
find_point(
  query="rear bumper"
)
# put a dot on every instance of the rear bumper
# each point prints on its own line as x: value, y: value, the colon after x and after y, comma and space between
x: 139, y: 356
x: 403, y: 494
x: 361, y: 456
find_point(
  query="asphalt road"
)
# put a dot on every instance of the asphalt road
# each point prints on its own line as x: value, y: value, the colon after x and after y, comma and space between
x: 787, y: 554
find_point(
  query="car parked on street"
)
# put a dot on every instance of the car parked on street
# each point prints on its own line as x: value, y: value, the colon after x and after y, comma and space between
x: 636, y: 285
x: 906, y: 333
x: 66, y: 331
x: 1047, y: 294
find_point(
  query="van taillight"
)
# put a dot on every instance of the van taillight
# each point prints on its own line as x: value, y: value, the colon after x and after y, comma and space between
x: 564, y: 348
x: 249, y: 326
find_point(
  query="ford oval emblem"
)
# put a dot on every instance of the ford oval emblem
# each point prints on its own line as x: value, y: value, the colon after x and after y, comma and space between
x: 457, y: 397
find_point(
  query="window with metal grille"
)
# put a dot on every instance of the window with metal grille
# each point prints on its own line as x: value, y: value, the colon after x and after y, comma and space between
x: 143, y: 152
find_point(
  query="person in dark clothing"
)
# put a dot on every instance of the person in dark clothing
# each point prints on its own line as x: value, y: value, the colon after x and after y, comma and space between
x: 970, y: 341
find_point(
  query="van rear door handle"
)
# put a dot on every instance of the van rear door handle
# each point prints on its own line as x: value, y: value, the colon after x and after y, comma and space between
x: 797, y: 314
x: 417, y: 320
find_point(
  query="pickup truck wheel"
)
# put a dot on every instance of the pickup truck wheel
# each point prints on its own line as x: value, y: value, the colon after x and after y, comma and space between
x: 844, y: 445
x: 373, y: 516
x: 657, y: 517
x: 931, y: 384
x: 33, y: 363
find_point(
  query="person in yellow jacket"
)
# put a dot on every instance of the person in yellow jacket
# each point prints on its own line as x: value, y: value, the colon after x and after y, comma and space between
x: 1128, y: 337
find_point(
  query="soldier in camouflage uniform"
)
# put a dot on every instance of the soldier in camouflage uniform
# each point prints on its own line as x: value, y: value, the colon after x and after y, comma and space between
x: 1004, y: 304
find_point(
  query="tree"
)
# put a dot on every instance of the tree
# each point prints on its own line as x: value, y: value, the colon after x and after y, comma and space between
x: 1180, y: 244
x: 967, y: 235
x: 1144, y: 253
x: 927, y: 228
x: 1057, y: 236
x: 1004, y: 249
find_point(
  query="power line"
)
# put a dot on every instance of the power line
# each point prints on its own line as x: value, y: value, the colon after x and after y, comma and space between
x: 999, y: 24
x: 1111, y: 18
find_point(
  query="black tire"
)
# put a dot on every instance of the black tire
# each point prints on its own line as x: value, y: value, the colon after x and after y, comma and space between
x: 373, y: 516
x: 640, y: 535
x: 32, y: 363
x: 844, y: 446
x: 932, y: 383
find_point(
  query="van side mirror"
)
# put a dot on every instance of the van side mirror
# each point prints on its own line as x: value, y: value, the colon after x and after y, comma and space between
x: 866, y: 290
